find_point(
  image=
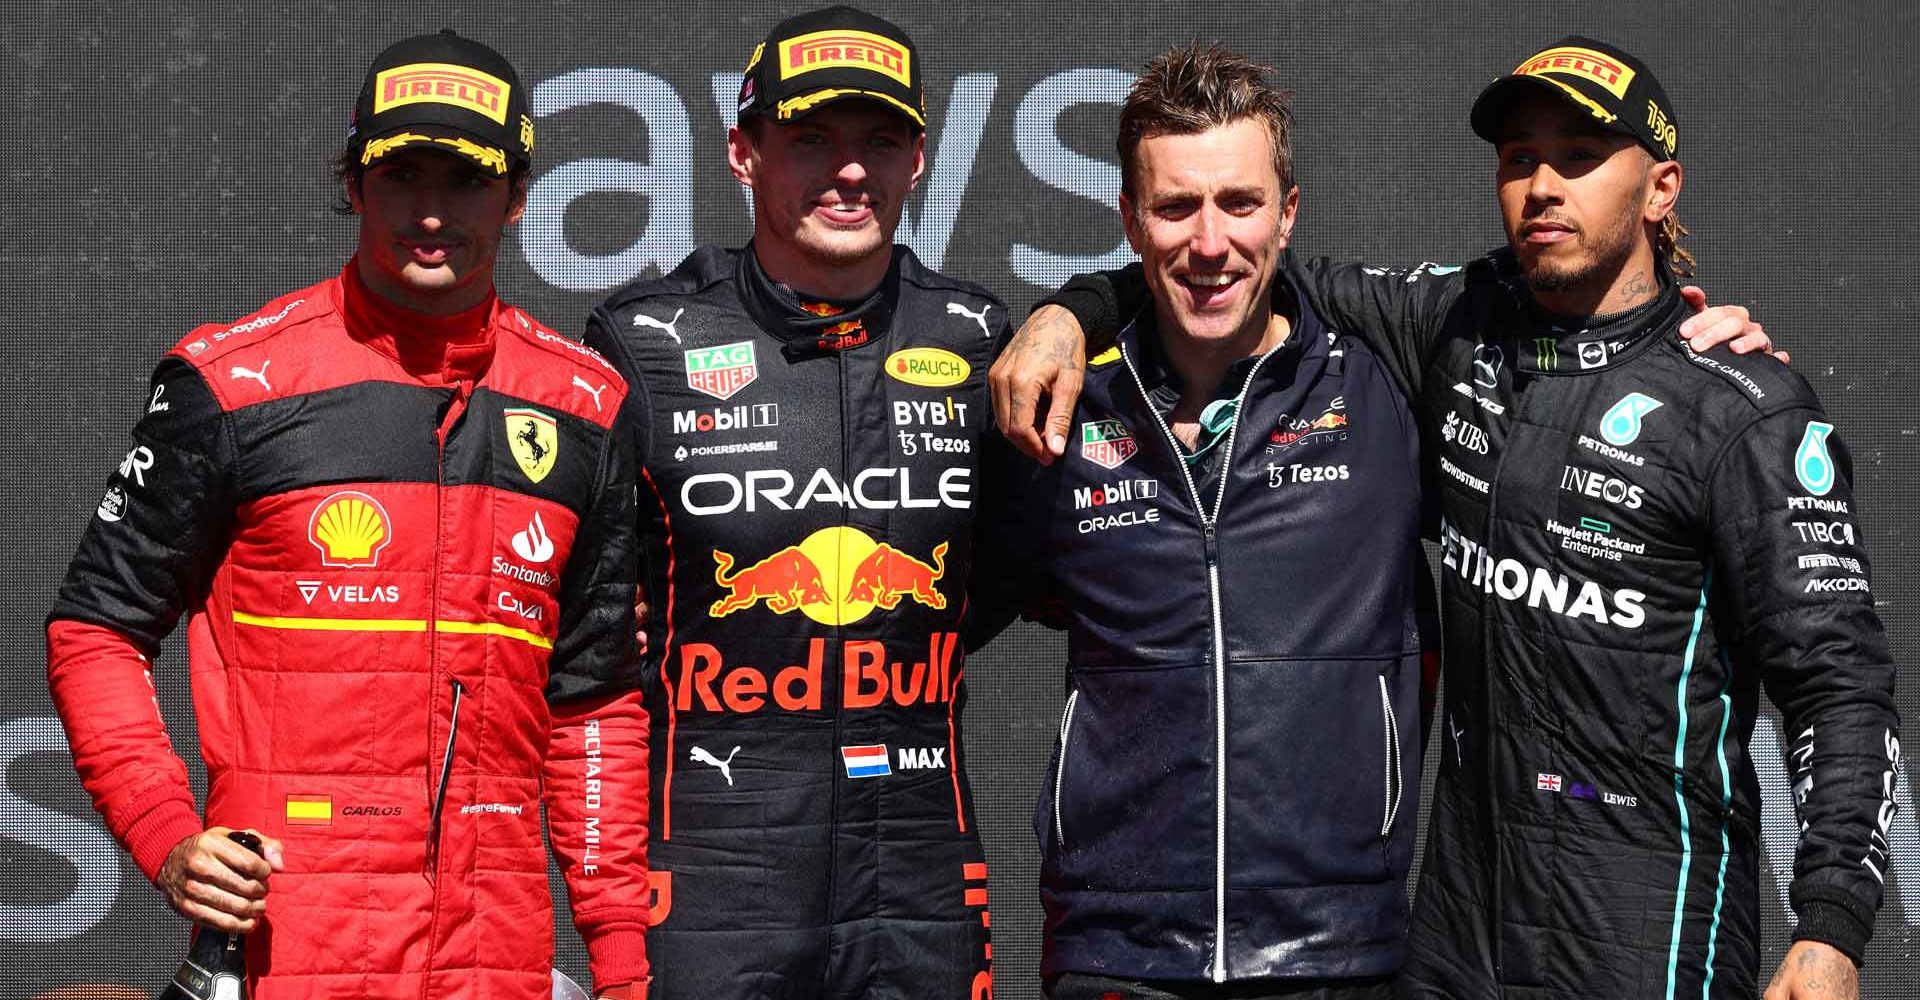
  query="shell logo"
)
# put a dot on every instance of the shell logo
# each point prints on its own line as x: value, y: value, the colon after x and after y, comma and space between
x: 349, y: 528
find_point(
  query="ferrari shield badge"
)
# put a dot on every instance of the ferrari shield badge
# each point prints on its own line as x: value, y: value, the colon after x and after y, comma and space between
x: 534, y: 440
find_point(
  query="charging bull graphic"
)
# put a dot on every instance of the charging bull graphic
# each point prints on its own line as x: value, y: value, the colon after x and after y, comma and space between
x: 836, y: 576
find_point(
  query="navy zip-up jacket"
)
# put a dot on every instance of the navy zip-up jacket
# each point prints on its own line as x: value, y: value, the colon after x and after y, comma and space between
x: 1233, y: 791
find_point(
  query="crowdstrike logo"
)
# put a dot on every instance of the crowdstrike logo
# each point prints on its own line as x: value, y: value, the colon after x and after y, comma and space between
x: 532, y: 543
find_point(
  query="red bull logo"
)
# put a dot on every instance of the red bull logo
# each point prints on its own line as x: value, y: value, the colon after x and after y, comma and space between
x: 869, y: 678
x: 836, y: 576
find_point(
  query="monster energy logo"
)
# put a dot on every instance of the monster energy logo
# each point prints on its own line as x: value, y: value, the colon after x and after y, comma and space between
x: 1546, y: 353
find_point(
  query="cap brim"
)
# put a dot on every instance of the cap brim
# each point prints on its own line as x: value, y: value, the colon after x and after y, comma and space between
x: 1491, y: 107
x: 800, y: 105
x: 441, y: 137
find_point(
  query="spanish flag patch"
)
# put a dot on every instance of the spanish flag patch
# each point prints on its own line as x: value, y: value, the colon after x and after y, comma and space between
x: 309, y: 810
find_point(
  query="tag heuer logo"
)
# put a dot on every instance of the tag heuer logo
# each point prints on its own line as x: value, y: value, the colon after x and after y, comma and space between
x: 534, y: 439
x: 722, y: 371
x: 1106, y: 443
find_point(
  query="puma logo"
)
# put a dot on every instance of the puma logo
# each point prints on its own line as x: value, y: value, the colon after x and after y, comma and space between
x: 591, y: 391
x: 258, y: 376
x: 956, y: 309
x: 642, y: 319
x: 701, y: 756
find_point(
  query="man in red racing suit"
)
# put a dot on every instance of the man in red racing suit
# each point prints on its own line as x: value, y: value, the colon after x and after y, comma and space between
x: 398, y: 515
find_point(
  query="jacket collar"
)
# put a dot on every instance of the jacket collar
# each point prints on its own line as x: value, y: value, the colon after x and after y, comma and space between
x: 808, y: 327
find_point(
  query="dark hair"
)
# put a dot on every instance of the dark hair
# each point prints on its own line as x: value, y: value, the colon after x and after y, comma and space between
x: 1668, y: 245
x: 1197, y: 87
x: 347, y: 170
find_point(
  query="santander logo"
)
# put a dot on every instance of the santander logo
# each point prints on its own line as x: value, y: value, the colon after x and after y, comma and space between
x: 532, y: 542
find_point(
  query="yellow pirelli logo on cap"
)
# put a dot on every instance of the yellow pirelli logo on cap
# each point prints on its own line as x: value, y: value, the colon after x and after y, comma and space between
x: 309, y: 810
x: 1585, y: 64
x: 441, y: 83
x: 842, y: 48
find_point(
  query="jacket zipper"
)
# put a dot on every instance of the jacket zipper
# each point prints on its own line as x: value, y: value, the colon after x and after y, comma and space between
x: 446, y: 773
x: 1059, y: 772
x: 1208, y: 523
x: 1392, y: 768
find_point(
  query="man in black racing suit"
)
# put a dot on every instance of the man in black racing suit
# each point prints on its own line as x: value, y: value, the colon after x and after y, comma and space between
x: 1637, y: 538
x: 811, y: 410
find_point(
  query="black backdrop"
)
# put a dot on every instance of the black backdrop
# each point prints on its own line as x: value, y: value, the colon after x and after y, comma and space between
x: 166, y: 166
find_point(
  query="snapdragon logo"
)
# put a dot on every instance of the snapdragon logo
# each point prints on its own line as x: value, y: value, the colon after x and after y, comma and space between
x: 1536, y: 587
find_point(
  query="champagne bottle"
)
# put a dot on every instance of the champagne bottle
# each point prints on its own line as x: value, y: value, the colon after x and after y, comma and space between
x: 216, y: 964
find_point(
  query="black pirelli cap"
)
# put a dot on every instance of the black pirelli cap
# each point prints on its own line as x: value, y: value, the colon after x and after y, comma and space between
x: 1605, y: 82
x: 832, y: 54
x: 447, y: 90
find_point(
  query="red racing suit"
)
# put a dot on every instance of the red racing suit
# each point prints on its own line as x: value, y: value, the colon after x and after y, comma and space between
x: 405, y: 549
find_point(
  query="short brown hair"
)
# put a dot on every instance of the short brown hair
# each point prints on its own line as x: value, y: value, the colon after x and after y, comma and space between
x: 1195, y: 88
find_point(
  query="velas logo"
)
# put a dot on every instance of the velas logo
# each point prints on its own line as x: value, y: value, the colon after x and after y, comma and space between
x: 843, y: 48
x: 722, y: 371
x: 1812, y: 465
x: 1580, y: 63
x: 930, y: 367
x: 534, y: 440
x: 836, y: 576
x: 1620, y: 425
x: 441, y: 83
x: 1106, y: 443
x: 350, y: 529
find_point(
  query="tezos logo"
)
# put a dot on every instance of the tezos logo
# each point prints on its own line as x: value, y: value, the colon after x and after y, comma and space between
x: 1811, y: 462
x: 1620, y: 425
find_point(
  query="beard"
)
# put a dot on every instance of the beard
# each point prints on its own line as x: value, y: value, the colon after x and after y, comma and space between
x: 1605, y: 249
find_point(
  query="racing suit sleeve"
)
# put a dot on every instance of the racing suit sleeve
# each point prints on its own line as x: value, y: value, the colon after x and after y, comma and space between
x: 1102, y: 302
x: 1790, y: 586
x: 596, y: 784
x: 145, y: 558
x: 1398, y: 312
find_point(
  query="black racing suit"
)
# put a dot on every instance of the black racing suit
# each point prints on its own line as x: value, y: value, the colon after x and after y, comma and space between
x: 1636, y: 539
x: 809, y: 488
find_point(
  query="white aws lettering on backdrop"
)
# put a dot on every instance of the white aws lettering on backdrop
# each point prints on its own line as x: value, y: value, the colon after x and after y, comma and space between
x: 82, y: 844
x: 663, y: 172
x: 666, y: 179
